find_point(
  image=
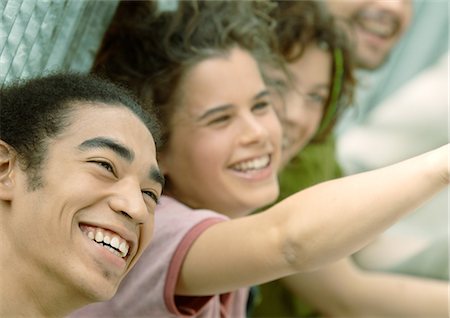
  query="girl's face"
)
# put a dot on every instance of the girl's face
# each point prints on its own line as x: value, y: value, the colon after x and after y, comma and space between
x: 303, y: 101
x: 225, y: 144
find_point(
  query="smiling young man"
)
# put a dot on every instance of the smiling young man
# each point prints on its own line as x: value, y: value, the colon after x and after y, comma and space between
x: 79, y: 183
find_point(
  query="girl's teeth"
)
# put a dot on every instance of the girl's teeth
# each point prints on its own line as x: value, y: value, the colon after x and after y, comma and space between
x: 253, y: 164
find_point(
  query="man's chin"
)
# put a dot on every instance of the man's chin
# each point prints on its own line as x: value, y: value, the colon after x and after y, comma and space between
x: 372, y: 63
x: 96, y: 294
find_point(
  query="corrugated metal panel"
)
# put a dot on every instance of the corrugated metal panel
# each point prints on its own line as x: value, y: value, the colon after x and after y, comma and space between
x: 39, y: 36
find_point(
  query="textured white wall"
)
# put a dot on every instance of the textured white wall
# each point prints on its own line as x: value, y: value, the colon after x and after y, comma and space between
x: 39, y: 36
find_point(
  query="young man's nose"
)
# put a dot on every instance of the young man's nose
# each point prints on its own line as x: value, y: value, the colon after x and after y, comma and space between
x: 129, y: 201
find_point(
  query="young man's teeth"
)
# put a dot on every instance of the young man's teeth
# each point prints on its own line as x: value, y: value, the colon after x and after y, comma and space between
x: 113, y: 244
x: 123, y: 247
x: 115, y: 252
x: 254, y: 164
x: 99, y: 237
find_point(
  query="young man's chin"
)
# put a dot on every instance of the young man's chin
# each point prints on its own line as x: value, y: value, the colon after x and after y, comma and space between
x: 99, y: 292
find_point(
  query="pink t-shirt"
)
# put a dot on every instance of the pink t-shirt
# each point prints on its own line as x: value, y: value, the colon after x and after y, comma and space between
x: 149, y: 288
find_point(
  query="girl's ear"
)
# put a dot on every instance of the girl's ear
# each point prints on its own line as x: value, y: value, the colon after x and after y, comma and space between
x: 8, y: 159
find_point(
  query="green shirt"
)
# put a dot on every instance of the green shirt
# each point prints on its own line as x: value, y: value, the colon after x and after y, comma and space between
x: 315, y: 164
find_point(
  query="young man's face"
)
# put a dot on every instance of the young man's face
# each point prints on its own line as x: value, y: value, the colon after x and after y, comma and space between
x: 375, y: 25
x: 100, y: 179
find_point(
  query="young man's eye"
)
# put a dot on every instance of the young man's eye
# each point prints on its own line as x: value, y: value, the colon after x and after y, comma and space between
x: 152, y: 196
x: 105, y: 165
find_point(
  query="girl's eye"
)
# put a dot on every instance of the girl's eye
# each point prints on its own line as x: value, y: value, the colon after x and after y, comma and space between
x: 317, y: 99
x: 219, y: 120
x: 152, y: 196
x: 261, y: 105
x: 278, y: 85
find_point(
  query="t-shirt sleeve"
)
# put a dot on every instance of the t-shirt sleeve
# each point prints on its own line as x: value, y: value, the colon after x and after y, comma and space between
x: 185, y: 305
x: 153, y: 280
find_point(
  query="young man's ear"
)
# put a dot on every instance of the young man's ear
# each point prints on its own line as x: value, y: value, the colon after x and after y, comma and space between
x: 7, y: 162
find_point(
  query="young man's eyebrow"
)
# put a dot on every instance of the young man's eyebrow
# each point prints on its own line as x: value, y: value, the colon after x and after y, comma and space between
x: 108, y: 143
x: 122, y: 151
x: 156, y: 175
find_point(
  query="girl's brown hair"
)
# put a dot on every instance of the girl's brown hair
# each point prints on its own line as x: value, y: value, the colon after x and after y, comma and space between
x: 149, y: 51
x: 301, y: 23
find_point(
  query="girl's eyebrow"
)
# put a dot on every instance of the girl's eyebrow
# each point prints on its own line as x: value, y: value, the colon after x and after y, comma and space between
x: 261, y: 94
x: 319, y: 86
x: 213, y: 110
x: 221, y: 108
x: 156, y: 175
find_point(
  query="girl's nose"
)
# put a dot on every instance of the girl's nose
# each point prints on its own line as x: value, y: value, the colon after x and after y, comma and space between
x: 295, y: 112
x: 253, y: 130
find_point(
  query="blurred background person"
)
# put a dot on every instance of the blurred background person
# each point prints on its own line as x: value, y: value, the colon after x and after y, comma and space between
x: 400, y: 109
x: 318, y: 91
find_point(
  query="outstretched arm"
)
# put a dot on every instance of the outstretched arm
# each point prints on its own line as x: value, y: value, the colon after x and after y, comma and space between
x: 343, y: 290
x: 312, y: 228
